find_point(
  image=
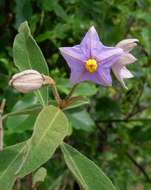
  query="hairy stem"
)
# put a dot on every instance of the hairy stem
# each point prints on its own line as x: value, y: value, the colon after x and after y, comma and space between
x: 49, y: 81
x: 56, y: 94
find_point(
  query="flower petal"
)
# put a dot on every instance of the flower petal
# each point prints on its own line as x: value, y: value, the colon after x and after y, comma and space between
x: 75, y: 60
x: 121, y: 72
x: 127, y: 44
x: 72, y: 54
x: 101, y: 77
x: 105, y: 76
x: 76, y: 76
x: 91, y: 43
x: 126, y: 59
x: 108, y: 56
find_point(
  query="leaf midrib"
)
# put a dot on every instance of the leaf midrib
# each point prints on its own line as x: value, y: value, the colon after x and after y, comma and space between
x: 48, y: 128
x: 30, y: 65
x: 5, y: 171
x: 44, y: 134
x: 76, y: 168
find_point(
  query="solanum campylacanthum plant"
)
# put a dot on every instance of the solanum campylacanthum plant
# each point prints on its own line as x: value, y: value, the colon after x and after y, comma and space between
x: 89, y: 61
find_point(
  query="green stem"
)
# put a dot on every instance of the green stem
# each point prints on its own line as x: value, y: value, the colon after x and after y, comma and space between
x: 1, y: 133
x: 71, y: 92
x: 56, y: 94
x: 49, y: 81
x: 61, y: 103
x: 1, y: 125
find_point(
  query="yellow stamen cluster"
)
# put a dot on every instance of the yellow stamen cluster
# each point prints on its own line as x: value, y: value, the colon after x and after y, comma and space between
x: 91, y: 65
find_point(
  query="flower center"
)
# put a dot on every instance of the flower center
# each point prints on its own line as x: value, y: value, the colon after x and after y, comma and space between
x: 91, y: 65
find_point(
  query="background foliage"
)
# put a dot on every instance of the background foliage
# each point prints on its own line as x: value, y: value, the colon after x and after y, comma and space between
x: 114, y: 128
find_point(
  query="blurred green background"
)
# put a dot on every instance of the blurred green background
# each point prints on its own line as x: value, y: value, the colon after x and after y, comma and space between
x: 114, y: 129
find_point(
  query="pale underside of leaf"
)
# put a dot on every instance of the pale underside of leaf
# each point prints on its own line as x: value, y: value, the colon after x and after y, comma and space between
x: 87, y: 173
x: 50, y: 129
x: 27, y: 55
x: 47, y: 136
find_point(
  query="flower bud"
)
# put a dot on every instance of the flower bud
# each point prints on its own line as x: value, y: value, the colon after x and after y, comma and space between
x: 128, y: 44
x: 27, y: 81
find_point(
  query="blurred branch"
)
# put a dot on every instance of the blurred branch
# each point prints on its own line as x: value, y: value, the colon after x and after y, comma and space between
x: 129, y: 24
x: 140, y: 167
x: 136, y: 104
x: 140, y: 109
x: 123, y: 120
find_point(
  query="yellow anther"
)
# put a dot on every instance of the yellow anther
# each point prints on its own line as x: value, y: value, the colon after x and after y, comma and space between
x: 91, y: 65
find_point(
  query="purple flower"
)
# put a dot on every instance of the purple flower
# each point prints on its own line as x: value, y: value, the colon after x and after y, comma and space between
x: 91, y: 60
x: 119, y: 67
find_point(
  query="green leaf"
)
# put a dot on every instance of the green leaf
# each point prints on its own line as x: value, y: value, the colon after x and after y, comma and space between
x: 10, y: 159
x: 146, y: 33
x: 87, y: 173
x: 83, y: 89
x: 60, y: 11
x: 27, y: 114
x: 20, y: 124
x: 50, y: 129
x: 27, y: 55
x: 51, y: 5
x: 23, y: 11
x: 39, y: 175
x: 147, y: 186
x: 78, y: 103
x: 57, y: 182
x: 142, y: 15
x: 80, y: 119
x: 107, y: 108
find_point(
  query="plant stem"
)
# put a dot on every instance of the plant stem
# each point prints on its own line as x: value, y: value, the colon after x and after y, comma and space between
x: 71, y: 92
x: 1, y: 133
x: 62, y: 103
x: 80, y: 186
x: 49, y: 81
x: 139, y: 167
x: 123, y: 120
x: 30, y: 182
x: 56, y: 94
x: 18, y: 184
x: 1, y: 125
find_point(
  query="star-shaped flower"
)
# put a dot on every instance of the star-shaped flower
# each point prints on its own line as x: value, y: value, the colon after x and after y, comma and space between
x: 91, y: 60
x: 119, y: 67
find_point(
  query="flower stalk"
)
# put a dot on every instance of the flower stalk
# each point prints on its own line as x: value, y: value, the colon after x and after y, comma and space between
x: 49, y: 81
x: 62, y: 103
x: 31, y: 80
